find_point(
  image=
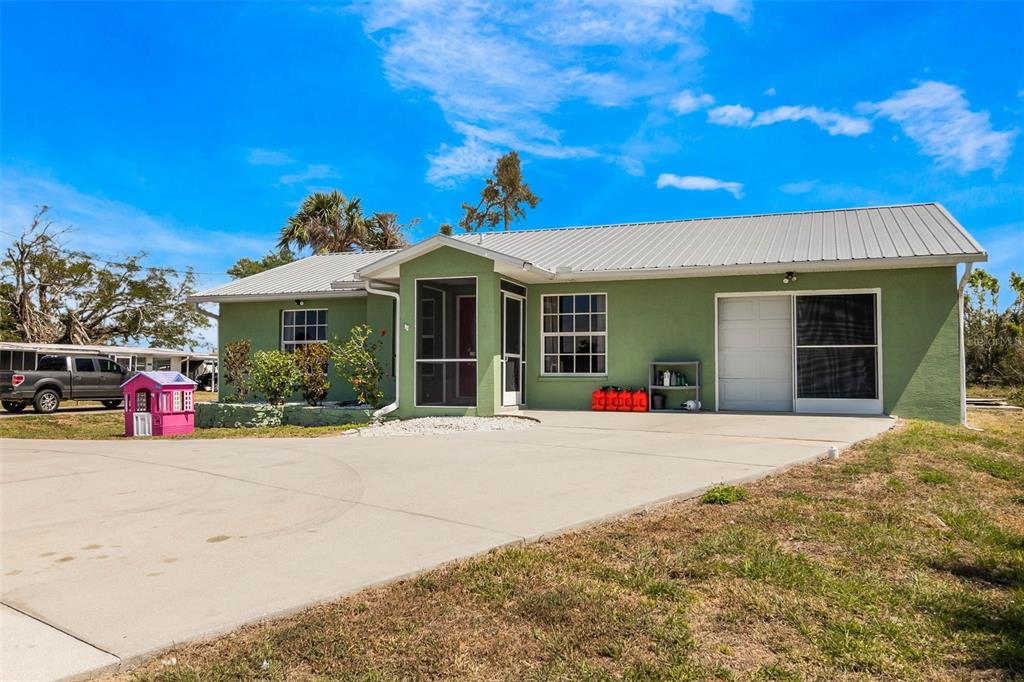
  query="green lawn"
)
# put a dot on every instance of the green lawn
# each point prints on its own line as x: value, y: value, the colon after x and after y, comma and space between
x: 110, y: 424
x: 903, y: 559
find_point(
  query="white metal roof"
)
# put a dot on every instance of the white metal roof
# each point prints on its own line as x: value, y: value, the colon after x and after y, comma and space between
x: 877, y: 237
x: 847, y: 236
x: 306, y: 277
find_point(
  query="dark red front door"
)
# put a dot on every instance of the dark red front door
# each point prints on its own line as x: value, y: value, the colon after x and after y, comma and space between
x: 467, y: 344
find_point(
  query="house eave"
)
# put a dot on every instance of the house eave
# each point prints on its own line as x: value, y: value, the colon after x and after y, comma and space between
x: 770, y: 268
x: 354, y: 291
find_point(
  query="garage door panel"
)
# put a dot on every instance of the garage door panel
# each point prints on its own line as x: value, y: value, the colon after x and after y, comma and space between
x: 755, y: 353
x: 737, y: 364
x: 773, y: 335
x: 738, y: 335
x: 740, y: 309
x: 775, y: 308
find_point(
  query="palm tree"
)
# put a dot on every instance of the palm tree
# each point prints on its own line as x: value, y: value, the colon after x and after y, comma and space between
x: 384, y: 232
x: 327, y: 222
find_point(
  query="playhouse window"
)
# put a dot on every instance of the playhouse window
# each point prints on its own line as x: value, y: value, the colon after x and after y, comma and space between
x: 177, y: 401
x: 142, y: 401
x: 187, y: 400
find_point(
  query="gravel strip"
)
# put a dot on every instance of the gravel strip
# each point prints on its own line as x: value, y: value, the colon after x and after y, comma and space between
x: 428, y: 426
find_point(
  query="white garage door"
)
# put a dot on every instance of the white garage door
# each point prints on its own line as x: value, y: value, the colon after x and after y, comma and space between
x: 755, y: 353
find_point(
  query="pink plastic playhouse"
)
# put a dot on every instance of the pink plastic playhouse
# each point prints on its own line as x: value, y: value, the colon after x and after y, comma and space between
x: 159, y: 404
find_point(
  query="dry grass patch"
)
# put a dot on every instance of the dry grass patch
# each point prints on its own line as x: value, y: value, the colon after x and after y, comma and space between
x: 904, y: 559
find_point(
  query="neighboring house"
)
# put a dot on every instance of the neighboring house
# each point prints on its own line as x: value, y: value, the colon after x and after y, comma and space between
x: 847, y: 311
x: 18, y: 355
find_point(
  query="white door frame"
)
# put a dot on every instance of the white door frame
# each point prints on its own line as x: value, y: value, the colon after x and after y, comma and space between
x: 512, y: 398
x: 806, y: 405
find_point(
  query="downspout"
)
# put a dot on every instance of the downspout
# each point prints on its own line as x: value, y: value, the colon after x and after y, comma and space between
x: 204, y: 311
x: 388, y: 409
x: 963, y: 359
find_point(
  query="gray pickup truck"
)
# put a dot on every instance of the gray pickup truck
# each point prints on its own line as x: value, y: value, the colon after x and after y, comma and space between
x: 62, y: 377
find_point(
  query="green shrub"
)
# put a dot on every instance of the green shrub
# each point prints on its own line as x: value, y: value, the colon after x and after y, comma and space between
x: 237, y: 365
x: 274, y: 374
x: 723, y: 494
x: 356, y: 360
x: 311, y: 359
x: 1016, y: 397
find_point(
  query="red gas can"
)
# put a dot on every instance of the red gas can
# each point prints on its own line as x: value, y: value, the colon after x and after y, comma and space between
x: 597, y: 400
x: 626, y: 400
x: 640, y: 400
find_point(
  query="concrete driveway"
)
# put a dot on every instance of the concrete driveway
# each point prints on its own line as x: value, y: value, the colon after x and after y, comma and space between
x: 115, y: 549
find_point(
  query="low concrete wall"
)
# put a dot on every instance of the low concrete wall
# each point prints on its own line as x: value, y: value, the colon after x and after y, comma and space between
x: 237, y: 415
x: 251, y: 415
x: 324, y: 415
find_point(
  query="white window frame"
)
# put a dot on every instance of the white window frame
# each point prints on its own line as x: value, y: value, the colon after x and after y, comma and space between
x: 188, y: 401
x: 178, y: 401
x: 819, y: 405
x: 416, y: 342
x: 544, y: 335
x: 293, y: 325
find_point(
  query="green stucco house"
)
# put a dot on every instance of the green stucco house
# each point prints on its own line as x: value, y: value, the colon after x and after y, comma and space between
x: 852, y: 311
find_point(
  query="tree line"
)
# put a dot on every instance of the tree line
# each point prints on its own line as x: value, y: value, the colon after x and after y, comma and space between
x: 330, y: 222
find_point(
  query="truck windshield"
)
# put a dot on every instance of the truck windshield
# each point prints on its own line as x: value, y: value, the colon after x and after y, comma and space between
x: 52, y: 363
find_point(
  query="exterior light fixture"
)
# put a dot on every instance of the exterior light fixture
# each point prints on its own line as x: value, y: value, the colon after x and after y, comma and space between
x: 789, y: 278
x: 299, y: 302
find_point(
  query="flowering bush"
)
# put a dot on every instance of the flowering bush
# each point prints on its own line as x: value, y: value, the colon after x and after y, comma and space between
x: 356, y: 360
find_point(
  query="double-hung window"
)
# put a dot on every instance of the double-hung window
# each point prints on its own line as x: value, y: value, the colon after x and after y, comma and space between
x: 300, y: 327
x: 574, y: 333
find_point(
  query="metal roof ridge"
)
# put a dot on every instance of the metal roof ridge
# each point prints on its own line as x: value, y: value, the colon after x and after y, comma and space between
x: 848, y: 209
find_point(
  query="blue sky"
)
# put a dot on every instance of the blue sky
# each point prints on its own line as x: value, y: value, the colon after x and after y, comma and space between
x: 193, y: 130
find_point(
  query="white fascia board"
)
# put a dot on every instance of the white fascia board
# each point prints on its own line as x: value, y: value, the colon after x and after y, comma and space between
x: 771, y: 268
x: 352, y: 292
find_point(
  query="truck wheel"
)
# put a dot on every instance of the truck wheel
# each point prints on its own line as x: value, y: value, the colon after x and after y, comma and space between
x: 46, y: 401
x: 111, y: 404
x: 12, y: 406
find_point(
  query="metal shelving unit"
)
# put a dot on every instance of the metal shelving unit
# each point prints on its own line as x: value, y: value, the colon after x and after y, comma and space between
x: 674, y: 395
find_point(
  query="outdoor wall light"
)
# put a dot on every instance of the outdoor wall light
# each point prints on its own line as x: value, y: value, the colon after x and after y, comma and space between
x: 299, y: 302
x: 789, y: 278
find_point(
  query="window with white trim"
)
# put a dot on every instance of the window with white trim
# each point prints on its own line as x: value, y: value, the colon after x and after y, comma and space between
x: 178, y: 401
x: 300, y: 327
x: 187, y: 401
x: 574, y: 334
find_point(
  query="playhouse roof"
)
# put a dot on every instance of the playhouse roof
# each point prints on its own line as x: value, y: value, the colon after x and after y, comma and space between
x: 162, y: 379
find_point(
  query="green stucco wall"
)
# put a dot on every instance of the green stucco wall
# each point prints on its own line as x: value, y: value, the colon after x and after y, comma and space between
x: 260, y: 323
x: 668, y: 319
x: 447, y: 262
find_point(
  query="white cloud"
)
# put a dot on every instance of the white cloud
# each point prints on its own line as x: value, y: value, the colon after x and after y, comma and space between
x: 267, y: 157
x: 700, y: 183
x: 802, y: 187
x: 830, y: 121
x: 689, y: 101
x: 938, y: 118
x: 730, y: 115
x: 770, y: 92
x: 500, y: 68
x: 313, y: 171
x: 114, y: 229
